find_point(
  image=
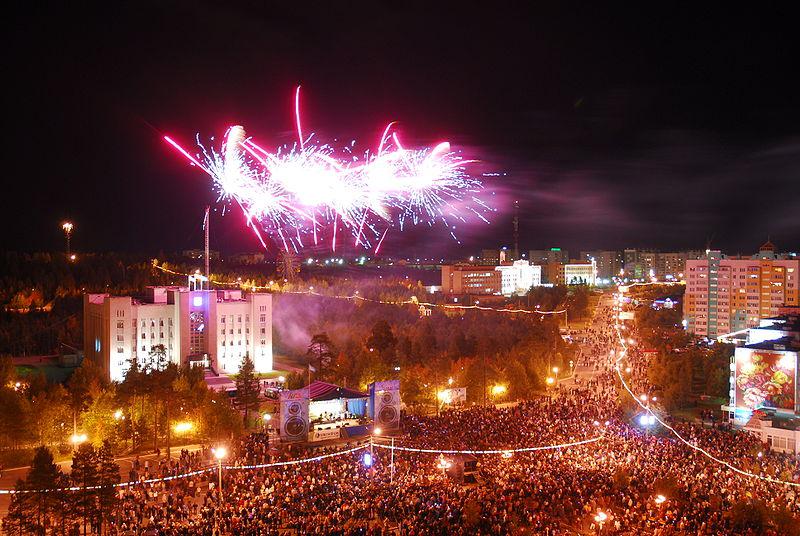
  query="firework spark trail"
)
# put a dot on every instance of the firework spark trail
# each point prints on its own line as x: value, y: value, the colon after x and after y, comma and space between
x: 301, y: 187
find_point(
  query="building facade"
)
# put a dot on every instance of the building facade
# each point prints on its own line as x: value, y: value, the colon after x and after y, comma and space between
x: 609, y: 263
x: 764, y: 393
x: 729, y: 294
x: 519, y: 277
x: 482, y: 280
x: 210, y: 328
x: 578, y: 273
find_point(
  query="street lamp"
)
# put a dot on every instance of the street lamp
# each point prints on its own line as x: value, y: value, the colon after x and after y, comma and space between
x: 443, y: 464
x: 601, y: 518
x: 219, y: 453
x: 77, y: 439
x: 182, y: 427
x: 67, y: 226
x: 118, y: 415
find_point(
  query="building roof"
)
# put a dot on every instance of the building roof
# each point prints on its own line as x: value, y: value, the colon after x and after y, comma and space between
x: 767, y: 246
x: 319, y: 391
x: 782, y: 344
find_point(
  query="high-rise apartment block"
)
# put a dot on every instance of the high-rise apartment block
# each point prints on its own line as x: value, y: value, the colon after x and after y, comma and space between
x: 608, y: 263
x: 727, y: 294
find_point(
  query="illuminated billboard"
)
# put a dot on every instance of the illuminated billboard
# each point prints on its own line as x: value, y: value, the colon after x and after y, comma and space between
x: 765, y: 379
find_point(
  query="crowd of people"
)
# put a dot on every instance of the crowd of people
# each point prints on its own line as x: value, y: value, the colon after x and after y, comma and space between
x: 632, y: 480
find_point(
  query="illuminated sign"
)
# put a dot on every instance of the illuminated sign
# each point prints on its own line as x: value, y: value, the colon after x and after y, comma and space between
x: 197, y: 301
x: 765, y: 379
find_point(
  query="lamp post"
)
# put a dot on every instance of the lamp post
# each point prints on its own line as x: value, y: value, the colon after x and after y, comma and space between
x: 219, y: 453
x: 67, y: 226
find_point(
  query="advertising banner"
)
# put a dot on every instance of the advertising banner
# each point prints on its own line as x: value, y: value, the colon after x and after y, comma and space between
x: 325, y: 435
x: 294, y: 415
x: 765, y: 379
x: 384, y: 404
x: 454, y: 396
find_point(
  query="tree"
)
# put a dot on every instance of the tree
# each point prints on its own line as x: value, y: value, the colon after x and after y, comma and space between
x: 382, y: 340
x: 108, y: 477
x: 79, y: 389
x: 156, y: 359
x: 85, y: 474
x: 321, y: 349
x: 247, y: 387
x: 31, y: 512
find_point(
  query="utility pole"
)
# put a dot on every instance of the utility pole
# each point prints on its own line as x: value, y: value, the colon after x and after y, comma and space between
x: 484, y: 380
x: 206, y: 225
x: 516, y: 230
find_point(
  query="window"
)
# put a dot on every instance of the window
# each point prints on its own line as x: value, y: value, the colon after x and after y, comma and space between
x: 239, y: 319
x: 144, y: 336
x: 161, y: 323
x: 263, y: 331
x: 120, y: 349
x: 121, y: 325
x: 263, y: 318
x: 222, y: 319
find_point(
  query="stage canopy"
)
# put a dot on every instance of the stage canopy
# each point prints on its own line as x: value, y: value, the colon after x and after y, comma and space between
x: 321, y: 391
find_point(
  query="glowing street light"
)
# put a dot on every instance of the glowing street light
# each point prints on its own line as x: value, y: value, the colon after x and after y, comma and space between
x: 67, y: 227
x: 601, y: 518
x: 118, y: 415
x: 77, y: 439
x: 550, y: 380
x: 182, y: 427
x: 498, y: 390
x: 660, y: 499
x: 219, y: 453
x: 443, y: 464
x: 555, y: 370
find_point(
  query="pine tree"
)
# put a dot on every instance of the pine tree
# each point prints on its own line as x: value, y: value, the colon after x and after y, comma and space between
x: 84, y: 475
x: 247, y: 387
x: 31, y: 512
x: 108, y: 477
x: 321, y: 349
x: 21, y: 518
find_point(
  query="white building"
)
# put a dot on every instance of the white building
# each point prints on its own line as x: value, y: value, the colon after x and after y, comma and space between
x: 519, y: 277
x: 583, y: 273
x: 209, y: 328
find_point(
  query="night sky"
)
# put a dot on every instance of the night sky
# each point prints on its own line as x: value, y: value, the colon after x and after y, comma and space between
x: 645, y: 127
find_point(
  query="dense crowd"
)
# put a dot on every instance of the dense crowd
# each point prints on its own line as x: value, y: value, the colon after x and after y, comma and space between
x: 632, y: 481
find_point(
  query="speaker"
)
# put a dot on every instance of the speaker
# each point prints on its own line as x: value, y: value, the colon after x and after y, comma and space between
x: 294, y: 415
x: 386, y: 404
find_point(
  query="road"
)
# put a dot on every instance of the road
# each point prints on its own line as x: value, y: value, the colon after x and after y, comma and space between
x: 590, y: 363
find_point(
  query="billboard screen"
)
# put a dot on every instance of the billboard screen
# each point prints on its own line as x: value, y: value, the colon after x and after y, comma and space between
x: 765, y: 379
